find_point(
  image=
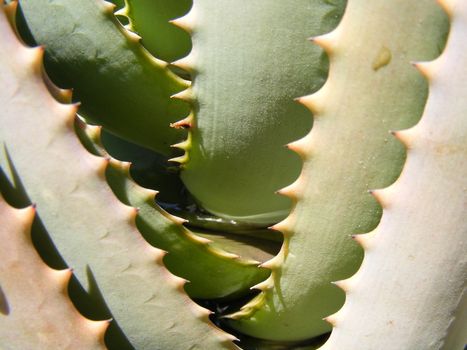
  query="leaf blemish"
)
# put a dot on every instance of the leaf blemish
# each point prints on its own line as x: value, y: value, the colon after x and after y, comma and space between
x: 382, y: 59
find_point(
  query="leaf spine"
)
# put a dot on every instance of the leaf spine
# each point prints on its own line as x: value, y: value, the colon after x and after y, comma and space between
x: 177, y: 219
x: 313, y: 102
x: 448, y: 7
x: 187, y: 22
x: 186, y: 123
x: 364, y: 239
x: 194, y: 237
x: 345, y: 285
x: 123, y: 167
x: 61, y: 95
x: 325, y: 41
x: 186, y: 63
x: 265, y: 285
x: 427, y: 69
x: 249, y: 308
x: 284, y: 226
x: 183, y: 159
x: 380, y: 196
x: 332, y: 320
x: 300, y: 147
x: 292, y: 191
x: 406, y: 136
x: 184, y: 95
x: 277, y: 261
x: 108, y: 6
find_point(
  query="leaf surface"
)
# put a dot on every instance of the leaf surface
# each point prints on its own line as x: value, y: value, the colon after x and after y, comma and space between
x: 407, y: 290
x: 212, y: 271
x: 372, y: 88
x: 250, y: 59
x: 35, y: 311
x: 95, y: 234
x: 150, y: 19
x: 118, y: 83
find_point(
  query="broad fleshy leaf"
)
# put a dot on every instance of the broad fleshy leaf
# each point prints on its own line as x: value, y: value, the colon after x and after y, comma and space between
x: 372, y: 88
x: 150, y: 19
x: 118, y: 83
x: 250, y: 59
x: 94, y: 232
x: 35, y: 311
x: 413, y: 275
x: 212, y: 271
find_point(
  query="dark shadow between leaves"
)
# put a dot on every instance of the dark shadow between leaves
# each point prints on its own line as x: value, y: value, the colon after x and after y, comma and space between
x: 14, y: 192
x: 221, y: 308
x: 90, y: 304
x: 4, y: 307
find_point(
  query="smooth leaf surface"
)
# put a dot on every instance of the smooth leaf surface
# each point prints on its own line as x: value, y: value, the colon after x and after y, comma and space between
x: 372, y: 88
x: 250, y: 60
x: 118, y: 83
x: 93, y: 231
x: 410, y: 305
x: 150, y: 19
x: 35, y: 311
x: 212, y: 271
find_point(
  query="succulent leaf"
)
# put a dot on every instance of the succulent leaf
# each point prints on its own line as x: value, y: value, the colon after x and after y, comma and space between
x: 35, y: 311
x: 243, y: 94
x: 150, y: 19
x: 457, y: 332
x: 423, y: 225
x: 119, y: 84
x: 93, y: 231
x: 212, y: 271
x: 348, y: 152
x: 401, y: 286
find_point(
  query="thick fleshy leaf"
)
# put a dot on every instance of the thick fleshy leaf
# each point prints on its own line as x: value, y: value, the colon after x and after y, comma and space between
x: 150, y: 19
x: 250, y: 59
x: 213, y: 272
x: 406, y: 292
x: 35, y: 311
x: 94, y: 232
x: 372, y: 88
x: 118, y: 83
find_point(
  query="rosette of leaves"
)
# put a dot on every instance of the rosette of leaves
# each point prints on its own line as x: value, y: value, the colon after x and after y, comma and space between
x: 143, y: 156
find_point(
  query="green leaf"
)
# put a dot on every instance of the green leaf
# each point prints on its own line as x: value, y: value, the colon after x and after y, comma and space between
x: 93, y: 231
x: 406, y: 293
x: 120, y: 85
x: 26, y: 320
x: 212, y: 271
x: 348, y: 152
x: 250, y: 60
x: 150, y: 19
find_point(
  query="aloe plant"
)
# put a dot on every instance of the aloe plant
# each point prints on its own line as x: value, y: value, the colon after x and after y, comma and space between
x: 148, y: 201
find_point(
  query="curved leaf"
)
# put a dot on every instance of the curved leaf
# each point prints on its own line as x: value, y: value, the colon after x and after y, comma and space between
x: 120, y: 85
x: 150, y: 19
x: 407, y: 290
x: 212, y: 271
x: 372, y: 88
x: 250, y: 60
x: 92, y: 230
x: 35, y: 311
